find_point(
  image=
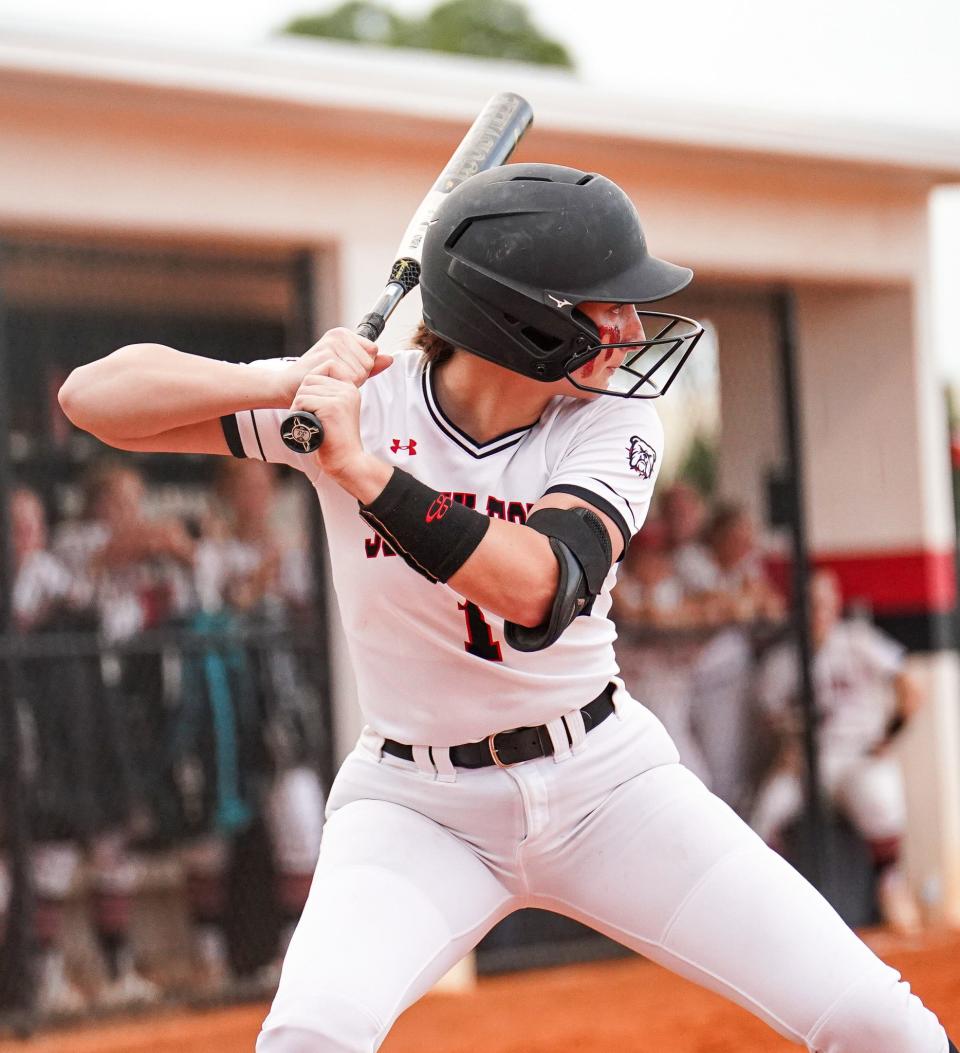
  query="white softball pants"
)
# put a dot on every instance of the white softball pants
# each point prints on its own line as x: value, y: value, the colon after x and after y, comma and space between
x: 419, y: 862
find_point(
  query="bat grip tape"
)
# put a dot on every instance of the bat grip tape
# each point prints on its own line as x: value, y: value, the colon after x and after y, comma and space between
x: 371, y: 326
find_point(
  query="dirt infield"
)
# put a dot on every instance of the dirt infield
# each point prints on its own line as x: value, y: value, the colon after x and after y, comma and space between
x: 629, y: 1006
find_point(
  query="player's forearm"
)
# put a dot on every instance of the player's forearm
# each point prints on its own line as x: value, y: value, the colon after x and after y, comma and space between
x: 908, y: 695
x: 512, y: 572
x: 144, y: 389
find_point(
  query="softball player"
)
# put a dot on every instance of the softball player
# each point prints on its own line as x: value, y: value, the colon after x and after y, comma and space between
x: 477, y: 494
x: 864, y: 696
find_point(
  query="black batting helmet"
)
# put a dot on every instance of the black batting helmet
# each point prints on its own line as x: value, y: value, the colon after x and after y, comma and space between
x: 511, y: 254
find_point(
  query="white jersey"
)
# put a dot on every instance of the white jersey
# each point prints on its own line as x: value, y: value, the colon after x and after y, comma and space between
x: 431, y: 668
x: 698, y: 571
x: 221, y: 562
x: 122, y: 594
x: 42, y: 580
x: 852, y: 671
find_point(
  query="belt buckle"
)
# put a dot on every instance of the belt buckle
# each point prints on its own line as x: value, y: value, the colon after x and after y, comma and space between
x: 492, y: 746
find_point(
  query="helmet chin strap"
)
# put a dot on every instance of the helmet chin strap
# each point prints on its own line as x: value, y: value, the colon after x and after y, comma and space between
x: 606, y: 334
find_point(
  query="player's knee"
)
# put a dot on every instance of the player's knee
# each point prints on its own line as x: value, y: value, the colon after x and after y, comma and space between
x: 881, y: 1015
x: 336, y: 1025
x: 294, y: 1040
x: 306, y: 1040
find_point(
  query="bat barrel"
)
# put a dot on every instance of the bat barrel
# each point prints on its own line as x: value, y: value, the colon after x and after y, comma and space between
x: 490, y: 141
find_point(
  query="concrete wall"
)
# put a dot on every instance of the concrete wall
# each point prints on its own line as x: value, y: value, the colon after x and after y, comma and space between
x: 874, y: 421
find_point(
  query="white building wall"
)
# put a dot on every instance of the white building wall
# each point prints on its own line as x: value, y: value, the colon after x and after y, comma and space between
x: 857, y: 385
x: 875, y: 466
x: 751, y: 429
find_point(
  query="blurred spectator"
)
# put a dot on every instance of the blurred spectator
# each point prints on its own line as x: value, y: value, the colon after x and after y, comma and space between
x: 78, y: 791
x: 241, y: 563
x: 863, y: 697
x: 42, y: 584
x: 726, y: 578
x: 247, y: 576
x: 684, y: 515
x: 42, y: 587
x: 172, y: 738
x: 139, y: 571
x: 726, y: 573
x: 656, y: 650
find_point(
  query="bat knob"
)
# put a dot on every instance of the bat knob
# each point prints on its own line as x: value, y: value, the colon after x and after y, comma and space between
x: 301, y: 432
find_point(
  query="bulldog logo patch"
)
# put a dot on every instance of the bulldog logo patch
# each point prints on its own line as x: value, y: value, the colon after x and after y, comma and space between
x: 641, y: 457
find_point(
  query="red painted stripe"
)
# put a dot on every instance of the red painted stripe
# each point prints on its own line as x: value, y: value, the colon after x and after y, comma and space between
x: 902, y: 582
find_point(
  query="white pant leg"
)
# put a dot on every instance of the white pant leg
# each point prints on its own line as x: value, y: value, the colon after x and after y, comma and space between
x: 779, y: 801
x: 661, y: 677
x: 870, y: 792
x: 721, y: 713
x: 396, y: 901
x: 294, y: 811
x: 667, y: 869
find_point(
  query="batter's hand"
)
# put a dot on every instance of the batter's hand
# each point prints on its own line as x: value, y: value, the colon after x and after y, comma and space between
x: 336, y: 404
x: 341, y: 355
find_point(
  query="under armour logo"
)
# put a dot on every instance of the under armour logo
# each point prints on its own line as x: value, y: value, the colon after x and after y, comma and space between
x: 410, y: 446
x: 560, y: 303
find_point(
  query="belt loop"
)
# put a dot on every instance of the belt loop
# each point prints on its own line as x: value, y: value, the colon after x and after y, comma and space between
x: 372, y: 742
x: 446, y: 772
x: 557, y: 731
x: 618, y: 696
x: 577, y: 729
x: 421, y: 757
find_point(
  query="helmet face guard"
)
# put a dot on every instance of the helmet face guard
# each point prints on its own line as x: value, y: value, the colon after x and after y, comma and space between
x: 649, y: 366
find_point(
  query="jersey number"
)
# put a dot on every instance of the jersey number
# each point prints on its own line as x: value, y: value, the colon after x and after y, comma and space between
x: 479, y: 641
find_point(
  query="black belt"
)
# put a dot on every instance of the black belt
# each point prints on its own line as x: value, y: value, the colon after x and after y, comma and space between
x: 510, y: 747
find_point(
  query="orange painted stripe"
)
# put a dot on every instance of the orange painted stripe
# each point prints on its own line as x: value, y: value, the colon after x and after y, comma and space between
x: 902, y: 582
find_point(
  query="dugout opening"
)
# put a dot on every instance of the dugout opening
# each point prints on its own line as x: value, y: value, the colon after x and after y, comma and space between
x: 66, y: 301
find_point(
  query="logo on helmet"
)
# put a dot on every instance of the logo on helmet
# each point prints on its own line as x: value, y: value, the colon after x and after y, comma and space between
x: 641, y: 457
x: 560, y: 303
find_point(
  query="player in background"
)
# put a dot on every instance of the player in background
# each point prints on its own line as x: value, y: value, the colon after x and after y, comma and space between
x: 259, y: 578
x: 503, y: 763
x: 138, y: 569
x: 726, y: 578
x: 660, y: 635
x: 864, y: 697
x: 684, y: 514
x: 44, y: 591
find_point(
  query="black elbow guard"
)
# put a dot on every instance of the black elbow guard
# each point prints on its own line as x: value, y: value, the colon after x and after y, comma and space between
x: 584, y: 553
